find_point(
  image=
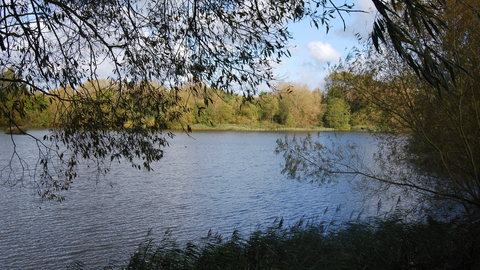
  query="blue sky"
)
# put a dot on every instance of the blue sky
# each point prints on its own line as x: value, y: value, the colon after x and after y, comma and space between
x: 313, y: 48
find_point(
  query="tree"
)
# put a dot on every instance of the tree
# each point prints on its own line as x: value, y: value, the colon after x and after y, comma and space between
x: 149, y: 48
x: 438, y: 160
x: 269, y: 106
x: 338, y: 114
x: 297, y: 105
x: 13, y: 97
x: 338, y: 86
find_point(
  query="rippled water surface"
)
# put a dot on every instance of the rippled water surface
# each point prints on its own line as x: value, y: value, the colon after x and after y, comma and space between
x: 219, y: 180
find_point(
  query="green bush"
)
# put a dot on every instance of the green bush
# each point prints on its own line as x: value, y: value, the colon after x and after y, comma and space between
x: 338, y: 114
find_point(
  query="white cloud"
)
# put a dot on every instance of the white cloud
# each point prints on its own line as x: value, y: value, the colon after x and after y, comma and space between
x: 364, y: 21
x: 359, y: 22
x: 323, y: 53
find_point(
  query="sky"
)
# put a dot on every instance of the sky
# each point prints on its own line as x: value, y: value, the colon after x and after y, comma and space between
x: 312, y: 49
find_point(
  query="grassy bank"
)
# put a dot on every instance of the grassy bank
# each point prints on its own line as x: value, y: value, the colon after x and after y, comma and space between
x: 381, y: 244
x: 233, y: 127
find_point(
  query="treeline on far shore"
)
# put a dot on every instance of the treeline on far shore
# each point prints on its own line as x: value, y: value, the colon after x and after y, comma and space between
x: 288, y: 106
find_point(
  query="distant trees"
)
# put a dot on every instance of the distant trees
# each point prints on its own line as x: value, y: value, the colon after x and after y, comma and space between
x: 290, y: 105
x: 338, y: 114
x: 298, y: 106
x: 342, y: 105
x: 269, y: 106
x: 351, y: 107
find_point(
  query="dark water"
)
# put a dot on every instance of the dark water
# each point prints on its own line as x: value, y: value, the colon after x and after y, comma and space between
x: 220, y: 181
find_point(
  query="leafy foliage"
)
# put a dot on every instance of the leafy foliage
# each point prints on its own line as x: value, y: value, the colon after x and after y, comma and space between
x: 414, y: 29
x: 338, y: 114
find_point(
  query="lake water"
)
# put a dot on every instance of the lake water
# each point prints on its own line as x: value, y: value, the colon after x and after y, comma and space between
x: 219, y: 181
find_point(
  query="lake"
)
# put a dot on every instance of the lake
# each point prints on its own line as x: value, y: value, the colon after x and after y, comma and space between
x: 219, y: 181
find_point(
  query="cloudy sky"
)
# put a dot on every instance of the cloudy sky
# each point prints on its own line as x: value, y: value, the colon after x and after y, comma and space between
x: 312, y: 49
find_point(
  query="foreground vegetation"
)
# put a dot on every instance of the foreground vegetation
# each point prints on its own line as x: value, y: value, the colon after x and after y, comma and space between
x: 379, y: 244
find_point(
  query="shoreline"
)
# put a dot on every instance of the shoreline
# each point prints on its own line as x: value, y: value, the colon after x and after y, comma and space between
x: 234, y: 127
x: 262, y: 128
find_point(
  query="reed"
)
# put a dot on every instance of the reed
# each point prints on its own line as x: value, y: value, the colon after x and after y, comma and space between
x: 378, y: 244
